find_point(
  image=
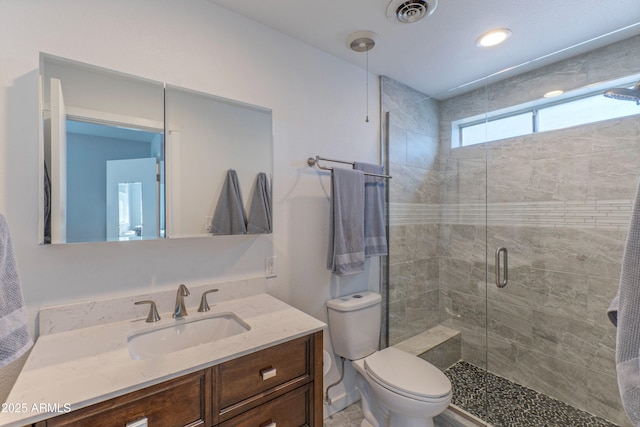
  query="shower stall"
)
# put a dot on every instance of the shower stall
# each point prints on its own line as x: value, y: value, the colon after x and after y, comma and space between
x: 549, y: 207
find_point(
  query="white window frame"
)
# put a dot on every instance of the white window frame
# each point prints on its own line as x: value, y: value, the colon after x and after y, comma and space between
x: 534, y: 106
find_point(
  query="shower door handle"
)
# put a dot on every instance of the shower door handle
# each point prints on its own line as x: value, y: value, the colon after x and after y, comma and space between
x: 502, y: 279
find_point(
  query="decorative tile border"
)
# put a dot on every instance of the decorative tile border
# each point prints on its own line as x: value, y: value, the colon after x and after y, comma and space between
x: 599, y: 214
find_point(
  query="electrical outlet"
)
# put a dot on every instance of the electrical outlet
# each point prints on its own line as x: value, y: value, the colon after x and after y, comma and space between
x: 270, y: 269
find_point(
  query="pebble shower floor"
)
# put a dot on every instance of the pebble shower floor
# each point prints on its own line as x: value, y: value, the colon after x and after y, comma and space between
x: 512, y: 405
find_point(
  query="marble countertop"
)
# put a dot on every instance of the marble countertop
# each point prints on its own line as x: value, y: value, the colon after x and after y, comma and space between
x: 77, y: 368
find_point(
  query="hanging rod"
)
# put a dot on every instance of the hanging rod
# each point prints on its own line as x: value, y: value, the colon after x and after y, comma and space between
x: 315, y: 161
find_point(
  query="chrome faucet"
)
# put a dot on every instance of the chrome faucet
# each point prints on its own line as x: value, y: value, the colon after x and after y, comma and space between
x: 204, y: 306
x: 180, y: 310
x: 153, y: 315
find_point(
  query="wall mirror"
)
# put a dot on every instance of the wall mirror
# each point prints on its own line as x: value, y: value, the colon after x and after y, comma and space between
x: 115, y: 170
x: 206, y: 137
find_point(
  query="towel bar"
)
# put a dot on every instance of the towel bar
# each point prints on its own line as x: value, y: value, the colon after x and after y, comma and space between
x: 315, y: 161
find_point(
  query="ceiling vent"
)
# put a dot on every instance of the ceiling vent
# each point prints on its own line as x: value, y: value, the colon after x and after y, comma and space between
x: 408, y: 12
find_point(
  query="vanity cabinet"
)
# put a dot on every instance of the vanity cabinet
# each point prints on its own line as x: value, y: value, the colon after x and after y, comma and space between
x: 277, y: 386
x: 289, y: 410
x: 178, y: 402
x: 280, y: 385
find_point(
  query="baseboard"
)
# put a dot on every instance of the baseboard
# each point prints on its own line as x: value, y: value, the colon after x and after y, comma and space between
x: 340, y: 402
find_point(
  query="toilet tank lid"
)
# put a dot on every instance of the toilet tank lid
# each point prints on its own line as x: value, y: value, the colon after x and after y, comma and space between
x: 355, y: 301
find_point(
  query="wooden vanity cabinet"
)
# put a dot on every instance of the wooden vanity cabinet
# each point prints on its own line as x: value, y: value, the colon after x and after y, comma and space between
x: 289, y: 410
x: 179, y: 402
x: 278, y: 386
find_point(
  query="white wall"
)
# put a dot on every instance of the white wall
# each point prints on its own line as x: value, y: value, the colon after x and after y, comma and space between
x: 317, y: 103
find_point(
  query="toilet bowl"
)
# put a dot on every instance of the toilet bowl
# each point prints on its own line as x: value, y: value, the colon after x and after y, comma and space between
x: 408, y: 391
x: 397, y: 388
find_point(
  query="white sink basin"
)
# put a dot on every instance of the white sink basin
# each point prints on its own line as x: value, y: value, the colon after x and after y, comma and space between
x: 183, y: 333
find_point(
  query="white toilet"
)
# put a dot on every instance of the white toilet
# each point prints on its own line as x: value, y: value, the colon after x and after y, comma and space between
x: 397, y: 388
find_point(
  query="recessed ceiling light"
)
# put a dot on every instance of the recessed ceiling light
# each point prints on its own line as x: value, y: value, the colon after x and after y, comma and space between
x: 553, y: 93
x: 493, y: 37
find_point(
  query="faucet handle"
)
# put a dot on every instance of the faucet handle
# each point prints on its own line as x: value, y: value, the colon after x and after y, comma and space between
x: 182, y: 289
x: 204, y: 306
x: 153, y: 311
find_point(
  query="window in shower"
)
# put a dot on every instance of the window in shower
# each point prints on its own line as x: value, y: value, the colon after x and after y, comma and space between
x: 584, y: 110
x: 499, y: 128
x: 573, y: 109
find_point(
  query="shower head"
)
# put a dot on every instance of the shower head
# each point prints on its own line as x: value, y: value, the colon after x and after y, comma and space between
x: 625, y: 94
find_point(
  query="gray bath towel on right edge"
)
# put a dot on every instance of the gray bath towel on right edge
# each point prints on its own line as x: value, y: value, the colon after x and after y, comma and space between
x: 625, y: 310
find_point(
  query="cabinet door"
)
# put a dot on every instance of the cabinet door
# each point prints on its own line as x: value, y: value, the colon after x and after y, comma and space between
x: 289, y: 410
x: 179, y: 402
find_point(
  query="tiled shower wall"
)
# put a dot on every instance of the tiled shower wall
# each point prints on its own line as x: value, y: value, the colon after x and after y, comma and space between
x: 413, y: 161
x: 559, y: 201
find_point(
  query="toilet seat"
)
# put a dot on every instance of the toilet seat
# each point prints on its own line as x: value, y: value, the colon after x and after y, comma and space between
x: 407, y: 375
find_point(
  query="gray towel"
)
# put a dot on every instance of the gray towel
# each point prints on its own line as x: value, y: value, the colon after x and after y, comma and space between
x: 375, y: 235
x: 259, y: 221
x: 229, y: 217
x: 15, y: 339
x: 625, y: 313
x: 346, y: 239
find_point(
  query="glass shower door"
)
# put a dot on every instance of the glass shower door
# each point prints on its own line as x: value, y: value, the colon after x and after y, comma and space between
x: 557, y: 209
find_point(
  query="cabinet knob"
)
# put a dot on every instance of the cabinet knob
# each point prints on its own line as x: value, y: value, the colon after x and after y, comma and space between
x: 266, y: 374
x: 143, y: 422
x: 269, y: 424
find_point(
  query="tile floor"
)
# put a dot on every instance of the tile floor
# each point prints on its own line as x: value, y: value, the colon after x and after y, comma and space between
x: 512, y: 405
x: 352, y: 417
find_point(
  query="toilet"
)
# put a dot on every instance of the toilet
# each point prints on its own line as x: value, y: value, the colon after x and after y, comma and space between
x: 397, y: 388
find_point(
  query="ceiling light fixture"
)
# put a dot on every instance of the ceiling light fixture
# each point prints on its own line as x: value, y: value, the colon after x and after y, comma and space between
x: 553, y: 93
x: 363, y: 41
x: 493, y: 37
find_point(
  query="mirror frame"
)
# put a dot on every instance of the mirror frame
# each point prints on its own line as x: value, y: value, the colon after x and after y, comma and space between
x: 169, y: 165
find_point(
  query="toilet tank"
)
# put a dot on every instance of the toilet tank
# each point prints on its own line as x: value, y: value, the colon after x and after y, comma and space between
x: 354, y: 324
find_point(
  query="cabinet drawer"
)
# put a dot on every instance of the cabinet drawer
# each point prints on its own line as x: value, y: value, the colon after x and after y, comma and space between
x: 289, y: 410
x: 263, y: 371
x: 178, y: 402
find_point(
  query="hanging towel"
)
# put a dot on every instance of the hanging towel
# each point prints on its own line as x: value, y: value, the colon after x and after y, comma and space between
x: 229, y: 216
x: 375, y: 235
x: 259, y: 221
x: 15, y: 339
x: 346, y: 239
x: 624, y: 312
